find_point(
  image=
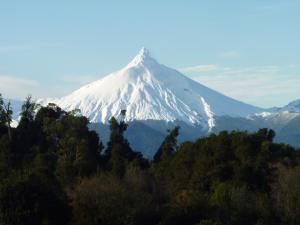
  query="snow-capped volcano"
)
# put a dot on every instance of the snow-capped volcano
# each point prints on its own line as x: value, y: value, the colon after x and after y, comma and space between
x: 148, y: 90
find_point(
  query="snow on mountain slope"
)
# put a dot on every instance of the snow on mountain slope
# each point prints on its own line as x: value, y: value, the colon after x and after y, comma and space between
x: 151, y: 91
x: 275, y: 120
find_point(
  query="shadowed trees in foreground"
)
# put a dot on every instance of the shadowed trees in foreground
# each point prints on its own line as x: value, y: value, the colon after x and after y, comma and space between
x: 54, y: 170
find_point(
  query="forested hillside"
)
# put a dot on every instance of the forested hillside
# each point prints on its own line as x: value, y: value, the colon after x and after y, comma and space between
x: 54, y: 170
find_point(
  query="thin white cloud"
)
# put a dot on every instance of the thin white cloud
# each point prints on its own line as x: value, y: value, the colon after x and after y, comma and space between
x: 264, y: 86
x: 18, y: 88
x: 232, y: 54
x: 199, y: 68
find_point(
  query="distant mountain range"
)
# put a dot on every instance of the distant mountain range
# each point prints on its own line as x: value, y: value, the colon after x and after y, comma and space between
x: 156, y: 98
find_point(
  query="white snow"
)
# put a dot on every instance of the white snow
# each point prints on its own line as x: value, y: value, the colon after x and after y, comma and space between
x: 14, y: 123
x: 264, y: 114
x: 148, y: 90
x: 209, y: 114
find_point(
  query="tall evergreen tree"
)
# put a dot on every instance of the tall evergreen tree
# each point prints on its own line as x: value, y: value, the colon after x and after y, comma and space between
x: 3, y: 128
x: 2, y: 118
x: 168, y: 146
x: 6, y: 115
x: 27, y: 136
x: 78, y: 149
x: 119, y: 152
x: 28, y: 111
x: 117, y: 136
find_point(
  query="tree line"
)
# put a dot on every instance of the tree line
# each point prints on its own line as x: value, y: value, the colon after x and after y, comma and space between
x: 54, y: 170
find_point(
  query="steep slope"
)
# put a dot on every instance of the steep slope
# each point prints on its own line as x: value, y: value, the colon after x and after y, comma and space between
x: 151, y: 91
x: 293, y: 107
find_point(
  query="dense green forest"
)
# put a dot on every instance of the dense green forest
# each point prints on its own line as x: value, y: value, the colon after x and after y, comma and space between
x: 55, y: 171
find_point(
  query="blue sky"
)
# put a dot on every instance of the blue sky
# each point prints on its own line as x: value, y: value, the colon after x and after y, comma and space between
x: 248, y: 50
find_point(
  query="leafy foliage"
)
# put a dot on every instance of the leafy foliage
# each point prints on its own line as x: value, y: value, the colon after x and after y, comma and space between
x: 26, y: 198
x: 53, y: 170
x: 5, y: 116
